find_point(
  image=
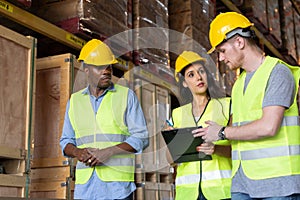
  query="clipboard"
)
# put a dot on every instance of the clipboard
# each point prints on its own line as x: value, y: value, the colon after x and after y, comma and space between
x: 182, y: 145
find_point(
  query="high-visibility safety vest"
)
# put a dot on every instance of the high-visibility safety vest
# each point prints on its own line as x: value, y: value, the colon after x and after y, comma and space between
x: 213, y: 175
x: 269, y: 157
x: 100, y: 130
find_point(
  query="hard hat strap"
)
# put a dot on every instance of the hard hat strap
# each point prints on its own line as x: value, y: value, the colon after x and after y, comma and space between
x: 240, y: 31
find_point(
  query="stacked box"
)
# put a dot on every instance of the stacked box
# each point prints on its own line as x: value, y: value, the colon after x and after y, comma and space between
x: 265, y: 16
x: 288, y: 32
x: 190, y: 19
x: 274, y: 26
x: 150, y: 44
x: 100, y: 19
x: 17, y: 70
x: 150, y: 35
x: 256, y: 12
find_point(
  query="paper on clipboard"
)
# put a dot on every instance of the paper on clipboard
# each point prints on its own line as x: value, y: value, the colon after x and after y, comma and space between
x: 182, y: 145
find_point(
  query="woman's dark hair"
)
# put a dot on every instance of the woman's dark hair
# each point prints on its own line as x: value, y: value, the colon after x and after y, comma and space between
x: 213, y: 90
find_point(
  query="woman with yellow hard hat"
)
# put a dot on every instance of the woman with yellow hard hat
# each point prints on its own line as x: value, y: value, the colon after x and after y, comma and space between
x: 207, y: 179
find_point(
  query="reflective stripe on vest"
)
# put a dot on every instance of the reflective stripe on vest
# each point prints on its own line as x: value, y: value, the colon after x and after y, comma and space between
x: 267, y: 153
x: 195, y: 178
x: 101, y: 138
x: 102, y: 129
x: 286, y: 121
x: 216, y: 173
x: 258, y: 157
x: 111, y: 162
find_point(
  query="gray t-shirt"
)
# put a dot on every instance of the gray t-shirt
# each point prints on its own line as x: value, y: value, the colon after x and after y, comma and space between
x: 280, y: 92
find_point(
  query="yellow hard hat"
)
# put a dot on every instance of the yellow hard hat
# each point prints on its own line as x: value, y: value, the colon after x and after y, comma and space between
x: 223, y: 24
x: 95, y: 52
x: 184, y: 59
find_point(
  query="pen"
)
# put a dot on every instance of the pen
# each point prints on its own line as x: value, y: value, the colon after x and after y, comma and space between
x: 169, y: 123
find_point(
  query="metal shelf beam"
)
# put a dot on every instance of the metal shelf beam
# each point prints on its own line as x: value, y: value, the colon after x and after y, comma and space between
x: 296, y: 5
x: 39, y: 25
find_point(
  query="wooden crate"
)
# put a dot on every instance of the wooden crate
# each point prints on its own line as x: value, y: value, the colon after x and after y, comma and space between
x: 52, y: 182
x: 146, y: 94
x: 56, y: 78
x: 53, y: 189
x: 17, y: 69
x: 152, y: 164
x: 50, y: 174
x: 154, y: 191
x: 12, y: 185
x: 162, y: 113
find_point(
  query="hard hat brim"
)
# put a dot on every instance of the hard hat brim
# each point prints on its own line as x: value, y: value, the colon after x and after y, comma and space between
x: 211, y: 50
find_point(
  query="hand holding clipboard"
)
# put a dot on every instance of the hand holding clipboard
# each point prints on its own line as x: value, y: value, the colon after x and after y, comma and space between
x: 182, y: 145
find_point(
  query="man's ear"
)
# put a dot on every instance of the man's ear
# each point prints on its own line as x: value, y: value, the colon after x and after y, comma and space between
x: 240, y: 42
x: 86, y: 70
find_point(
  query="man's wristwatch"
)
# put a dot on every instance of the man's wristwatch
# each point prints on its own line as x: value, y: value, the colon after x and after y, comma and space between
x: 221, y: 133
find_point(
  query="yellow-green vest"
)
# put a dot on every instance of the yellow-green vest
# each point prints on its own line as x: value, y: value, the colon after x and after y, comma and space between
x: 215, y: 176
x: 272, y: 156
x: 102, y: 129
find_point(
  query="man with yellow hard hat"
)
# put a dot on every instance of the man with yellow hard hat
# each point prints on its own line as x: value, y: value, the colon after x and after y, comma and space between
x: 265, y: 131
x: 104, y: 127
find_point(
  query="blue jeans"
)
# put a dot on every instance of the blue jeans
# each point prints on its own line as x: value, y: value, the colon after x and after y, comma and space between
x: 242, y: 196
